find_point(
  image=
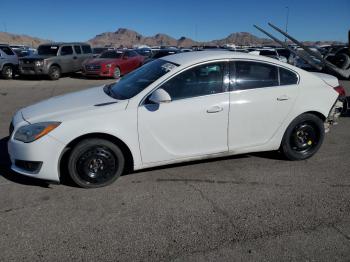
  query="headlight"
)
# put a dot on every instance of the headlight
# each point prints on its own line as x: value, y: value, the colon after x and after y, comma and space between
x: 33, y: 132
x: 109, y: 65
x: 20, y: 61
x: 39, y: 63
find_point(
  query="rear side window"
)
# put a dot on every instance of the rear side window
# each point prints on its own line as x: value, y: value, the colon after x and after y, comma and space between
x: 77, y: 49
x: 7, y: 50
x: 86, y: 49
x: 287, y: 77
x: 251, y: 75
x: 66, y: 50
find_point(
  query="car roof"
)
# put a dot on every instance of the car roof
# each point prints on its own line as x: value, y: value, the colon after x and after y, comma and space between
x: 189, y: 58
x: 63, y: 43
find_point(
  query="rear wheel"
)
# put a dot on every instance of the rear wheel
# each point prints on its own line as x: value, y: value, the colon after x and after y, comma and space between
x: 7, y: 72
x: 54, y: 73
x: 303, y: 137
x: 95, y: 163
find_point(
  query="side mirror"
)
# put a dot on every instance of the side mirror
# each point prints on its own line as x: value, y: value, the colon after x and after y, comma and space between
x: 160, y: 96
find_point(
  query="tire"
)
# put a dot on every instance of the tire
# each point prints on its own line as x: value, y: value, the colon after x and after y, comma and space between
x: 303, y: 137
x: 116, y: 73
x: 54, y: 73
x: 7, y: 72
x: 95, y: 163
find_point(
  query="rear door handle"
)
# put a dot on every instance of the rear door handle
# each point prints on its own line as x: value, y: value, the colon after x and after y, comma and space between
x: 283, y: 98
x: 215, y: 109
x: 74, y: 57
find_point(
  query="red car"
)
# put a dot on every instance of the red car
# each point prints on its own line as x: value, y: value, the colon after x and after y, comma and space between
x: 113, y: 63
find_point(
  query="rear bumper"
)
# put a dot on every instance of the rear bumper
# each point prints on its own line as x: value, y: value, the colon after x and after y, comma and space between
x: 334, y: 115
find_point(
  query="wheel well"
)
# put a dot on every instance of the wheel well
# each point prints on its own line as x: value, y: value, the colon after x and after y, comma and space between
x: 318, y: 114
x: 129, y: 161
x: 55, y: 65
x: 7, y: 64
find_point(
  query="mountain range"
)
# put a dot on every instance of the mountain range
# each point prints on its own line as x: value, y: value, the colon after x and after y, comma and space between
x: 128, y: 38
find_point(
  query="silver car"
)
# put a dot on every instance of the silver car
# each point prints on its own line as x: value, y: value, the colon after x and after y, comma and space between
x: 55, y: 59
x: 8, y: 61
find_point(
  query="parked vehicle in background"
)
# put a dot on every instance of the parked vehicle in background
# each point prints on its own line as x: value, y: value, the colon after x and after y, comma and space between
x: 55, y: 59
x: 113, y: 63
x: 146, y: 52
x: 99, y: 50
x: 269, y: 52
x: 162, y: 53
x: 22, y: 50
x: 8, y: 61
x: 301, y: 63
x: 179, y: 108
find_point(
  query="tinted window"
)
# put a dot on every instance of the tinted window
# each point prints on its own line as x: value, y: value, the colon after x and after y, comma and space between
x: 199, y: 81
x: 287, y: 77
x: 77, y: 49
x: 111, y: 54
x: 136, y: 81
x: 130, y: 53
x: 49, y: 50
x: 267, y: 52
x: 66, y: 50
x: 255, y: 75
x: 86, y: 49
x: 6, y: 50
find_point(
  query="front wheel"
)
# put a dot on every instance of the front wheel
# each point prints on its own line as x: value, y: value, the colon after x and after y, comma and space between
x: 303, y: 137
x: 95, y: 163
x: 116, y: 73
x: 7, y: 72
x: 54, y: 73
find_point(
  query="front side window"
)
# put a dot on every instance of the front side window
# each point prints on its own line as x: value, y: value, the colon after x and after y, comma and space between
x: 66, y: 50
x: 251, y: 75
x: 199, y: 81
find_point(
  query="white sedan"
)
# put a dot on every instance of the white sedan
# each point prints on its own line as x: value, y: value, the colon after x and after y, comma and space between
x: 183, y: 107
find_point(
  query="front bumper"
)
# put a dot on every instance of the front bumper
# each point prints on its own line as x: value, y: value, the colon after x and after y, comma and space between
x: 32, y: 70
x: 46, y: 151
x: 100, y: 72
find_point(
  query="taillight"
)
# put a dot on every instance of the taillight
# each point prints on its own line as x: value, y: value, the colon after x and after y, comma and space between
x: 340, y: 90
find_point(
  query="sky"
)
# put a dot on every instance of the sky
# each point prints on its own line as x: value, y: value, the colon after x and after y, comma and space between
x: 77, y: 20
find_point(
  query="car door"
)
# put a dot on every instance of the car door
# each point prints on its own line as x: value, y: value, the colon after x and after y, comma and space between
x: 194, y: 123
x: 78, y: 58
x: 261, y: 97
x: 67, y: 59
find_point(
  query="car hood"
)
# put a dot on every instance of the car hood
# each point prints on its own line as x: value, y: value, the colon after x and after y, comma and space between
x: 102, y: 61
x: 36, y: 57
x: 61, y: 107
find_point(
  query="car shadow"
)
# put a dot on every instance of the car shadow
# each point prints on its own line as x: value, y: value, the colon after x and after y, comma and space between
x: 8, y: 174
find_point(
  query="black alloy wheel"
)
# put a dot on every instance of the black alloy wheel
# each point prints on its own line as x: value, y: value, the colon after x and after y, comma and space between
x: 95, y: 163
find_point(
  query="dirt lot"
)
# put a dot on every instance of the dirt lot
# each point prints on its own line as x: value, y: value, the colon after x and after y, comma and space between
x: 243, y: 208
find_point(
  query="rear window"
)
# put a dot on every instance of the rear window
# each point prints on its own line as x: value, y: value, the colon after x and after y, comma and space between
x: 6, y: 50
x: 77, y: 49
x: 251, y: 75
x: 86, y: 49
x: 287, y: 77
x: 267, y: 52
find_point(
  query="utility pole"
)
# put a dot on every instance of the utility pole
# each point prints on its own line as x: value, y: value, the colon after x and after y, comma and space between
x: 287, y: 20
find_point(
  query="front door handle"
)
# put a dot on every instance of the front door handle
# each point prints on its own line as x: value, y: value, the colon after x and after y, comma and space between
x: 214, y: 109
x: 283, y: 98
x: 74, y: 57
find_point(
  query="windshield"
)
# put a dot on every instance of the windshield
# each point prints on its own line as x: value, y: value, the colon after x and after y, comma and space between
x: 133, y: 83
x: 49, y: 50
x: 111, y: 54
